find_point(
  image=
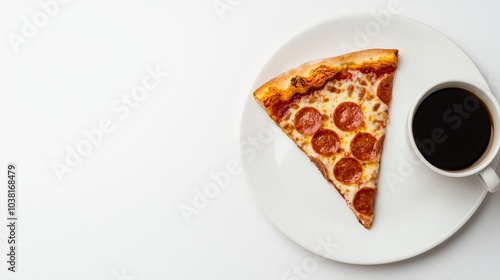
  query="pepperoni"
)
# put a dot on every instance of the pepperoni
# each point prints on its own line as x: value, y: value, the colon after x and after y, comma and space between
x: 325, y: 142
x: 363, y: 146
x: 384, y: 90
x: 348, y: 116
x: 320, y: 166
x: 308, y: 120
x: 280, y: 108
x: 364, y: 200
x: 347, y: 171
x: 380, y: 144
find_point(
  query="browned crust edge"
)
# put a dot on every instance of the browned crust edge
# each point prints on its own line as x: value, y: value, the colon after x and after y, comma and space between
x: 314, y: 74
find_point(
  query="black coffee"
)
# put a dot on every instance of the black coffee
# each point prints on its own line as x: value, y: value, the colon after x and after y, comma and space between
x: 452, y: 128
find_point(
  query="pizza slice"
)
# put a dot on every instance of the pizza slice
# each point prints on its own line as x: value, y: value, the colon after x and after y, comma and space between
x: 336, y: 110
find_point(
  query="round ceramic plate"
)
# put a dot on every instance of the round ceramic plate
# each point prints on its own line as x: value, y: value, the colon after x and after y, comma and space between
x: 415, y: 209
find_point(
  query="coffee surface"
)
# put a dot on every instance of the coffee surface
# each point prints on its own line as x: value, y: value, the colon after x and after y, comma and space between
x: 452, y: 128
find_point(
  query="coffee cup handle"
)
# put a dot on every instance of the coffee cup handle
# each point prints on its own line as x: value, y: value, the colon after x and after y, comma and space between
x: 490, y: 179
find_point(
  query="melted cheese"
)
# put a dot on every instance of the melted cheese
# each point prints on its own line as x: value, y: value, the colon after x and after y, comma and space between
x: 360, y: 89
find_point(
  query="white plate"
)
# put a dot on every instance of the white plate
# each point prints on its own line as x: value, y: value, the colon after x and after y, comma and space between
x: 416, y: 209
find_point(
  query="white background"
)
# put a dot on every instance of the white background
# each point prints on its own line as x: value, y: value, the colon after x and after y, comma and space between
x: 116, y: 214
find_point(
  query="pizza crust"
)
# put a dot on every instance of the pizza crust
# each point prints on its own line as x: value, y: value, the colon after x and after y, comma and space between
x: 315, y: 73
x: 335, y: 110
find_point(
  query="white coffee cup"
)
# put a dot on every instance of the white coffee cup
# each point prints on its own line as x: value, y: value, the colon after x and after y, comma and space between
x: 481, y: 167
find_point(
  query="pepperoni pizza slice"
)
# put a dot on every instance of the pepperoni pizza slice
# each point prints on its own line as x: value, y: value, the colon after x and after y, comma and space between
x: 336, y: 110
